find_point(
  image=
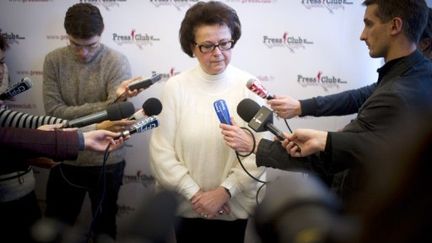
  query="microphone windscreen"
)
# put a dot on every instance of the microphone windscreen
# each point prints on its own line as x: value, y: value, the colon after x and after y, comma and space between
x: 247, y: 109
x: 120, y: 110
x: 154, y: 219
x: 249, y: 83
x: 152, y: 107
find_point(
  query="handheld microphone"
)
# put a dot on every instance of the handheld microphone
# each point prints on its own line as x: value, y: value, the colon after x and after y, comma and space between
x: 310, y: 209
x: 256, y: 87
x: 113, y: 112
x: 150, y: 107
x: 145, y: 82
x: 222, y: 111
x: 141, y: 126
x: 154, y: 218
x: 24, y: 85
x: 260, y: 119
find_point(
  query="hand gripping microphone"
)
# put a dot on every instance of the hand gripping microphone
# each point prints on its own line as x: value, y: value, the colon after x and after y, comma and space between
x: 141, y: 126
x: 222, y: 111
x: 113, y: 112
x: 256, y: 87
x: 24, y: 85
x: 260, y: 119
x: 150, y: 107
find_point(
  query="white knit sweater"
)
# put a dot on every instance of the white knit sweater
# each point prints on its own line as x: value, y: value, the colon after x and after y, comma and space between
x: 187, y: 150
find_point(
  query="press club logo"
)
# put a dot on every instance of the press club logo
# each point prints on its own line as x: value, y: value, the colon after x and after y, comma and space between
x: 178, y: 4
x: 325, y: 81
x: 330, y: 5
x: 139, y: 177
x: 251, y: 1
x: 134, y: 38
x: 292, y: 42
x: 107, y: 4
x: 11, y: 37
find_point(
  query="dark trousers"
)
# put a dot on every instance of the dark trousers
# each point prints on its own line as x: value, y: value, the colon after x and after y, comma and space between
x: 209, y: 231
x: 66, y: 189
x: 17, y: 218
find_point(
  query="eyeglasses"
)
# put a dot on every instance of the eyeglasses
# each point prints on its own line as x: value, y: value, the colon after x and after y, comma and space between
x: 90, y: 47
x: 209, y: 47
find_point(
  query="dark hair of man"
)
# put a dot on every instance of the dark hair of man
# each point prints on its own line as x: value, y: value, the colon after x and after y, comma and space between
x: 412, y: 12
x: 207, y: 13
x: 426, y: 38
x: 83, y: 21
x: 427, y: 33
x: 3, y: 43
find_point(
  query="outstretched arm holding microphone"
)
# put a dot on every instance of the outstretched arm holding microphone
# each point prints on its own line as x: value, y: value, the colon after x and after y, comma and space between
x: 58, y: 144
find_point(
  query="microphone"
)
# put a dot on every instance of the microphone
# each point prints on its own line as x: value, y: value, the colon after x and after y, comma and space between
x: 259, y: 118
x: 222, y: 111
x: 113, y: 112
x: 141, y: 126
x: 256, y: 87
x: 24, y: 85
x: 154, y: 218
x: 150, y: 107
x: 309, y: 209
x: 145, y: 82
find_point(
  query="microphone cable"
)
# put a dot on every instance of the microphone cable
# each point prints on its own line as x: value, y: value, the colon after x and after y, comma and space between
x: 102, y: 176
x: 122, y: 96
x: 238, y: 155
x: 286, y: 123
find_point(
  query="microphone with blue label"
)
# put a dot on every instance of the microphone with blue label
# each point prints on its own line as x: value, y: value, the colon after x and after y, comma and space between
x: 142, y: 126
x: 24, y: 85
x: 222, y: 111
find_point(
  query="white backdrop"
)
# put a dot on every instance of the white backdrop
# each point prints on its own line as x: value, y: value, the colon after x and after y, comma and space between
x: 301, y: 48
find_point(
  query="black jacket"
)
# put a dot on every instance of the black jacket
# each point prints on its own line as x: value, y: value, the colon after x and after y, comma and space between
x: 403, y: 84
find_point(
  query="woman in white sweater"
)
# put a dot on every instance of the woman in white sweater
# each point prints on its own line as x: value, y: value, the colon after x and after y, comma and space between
x: 188, y: 152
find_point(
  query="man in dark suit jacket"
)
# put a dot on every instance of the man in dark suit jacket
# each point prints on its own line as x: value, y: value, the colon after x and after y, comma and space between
x: 392, y: 29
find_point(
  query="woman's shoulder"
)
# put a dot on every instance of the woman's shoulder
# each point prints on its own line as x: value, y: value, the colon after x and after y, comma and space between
x: 234, y: 70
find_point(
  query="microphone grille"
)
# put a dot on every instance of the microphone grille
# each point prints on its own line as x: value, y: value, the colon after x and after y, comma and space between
x: 152, y: 107
x: 247, y: 109
x: 250, y: 83
x: 120, y: 110
x: 28, y: 81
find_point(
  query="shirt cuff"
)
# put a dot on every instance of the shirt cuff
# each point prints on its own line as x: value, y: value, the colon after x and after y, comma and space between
x: 308, y: 107
x: 81, y: 142
x: 230, y: 187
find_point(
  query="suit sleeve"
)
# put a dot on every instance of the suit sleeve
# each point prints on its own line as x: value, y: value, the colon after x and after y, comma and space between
x: 332, y: 105
x: 30, y: 143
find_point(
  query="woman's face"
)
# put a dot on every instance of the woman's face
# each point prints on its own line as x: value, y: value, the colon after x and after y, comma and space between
x: 214, y: 61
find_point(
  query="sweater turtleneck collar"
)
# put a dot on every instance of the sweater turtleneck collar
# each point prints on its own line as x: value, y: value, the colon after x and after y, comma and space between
x: 213, y: 83
x: 212, y: 78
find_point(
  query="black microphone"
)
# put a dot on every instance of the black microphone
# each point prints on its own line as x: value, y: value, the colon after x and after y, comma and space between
x: 113, y: 112
x: 145, y: 82
x: 296, y: 206
x: 141, y: 126
x: 154, y: 219
x: 260, y: 119
x: 24, y: 85
x: 150, y: 107
x: 256, y: 87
